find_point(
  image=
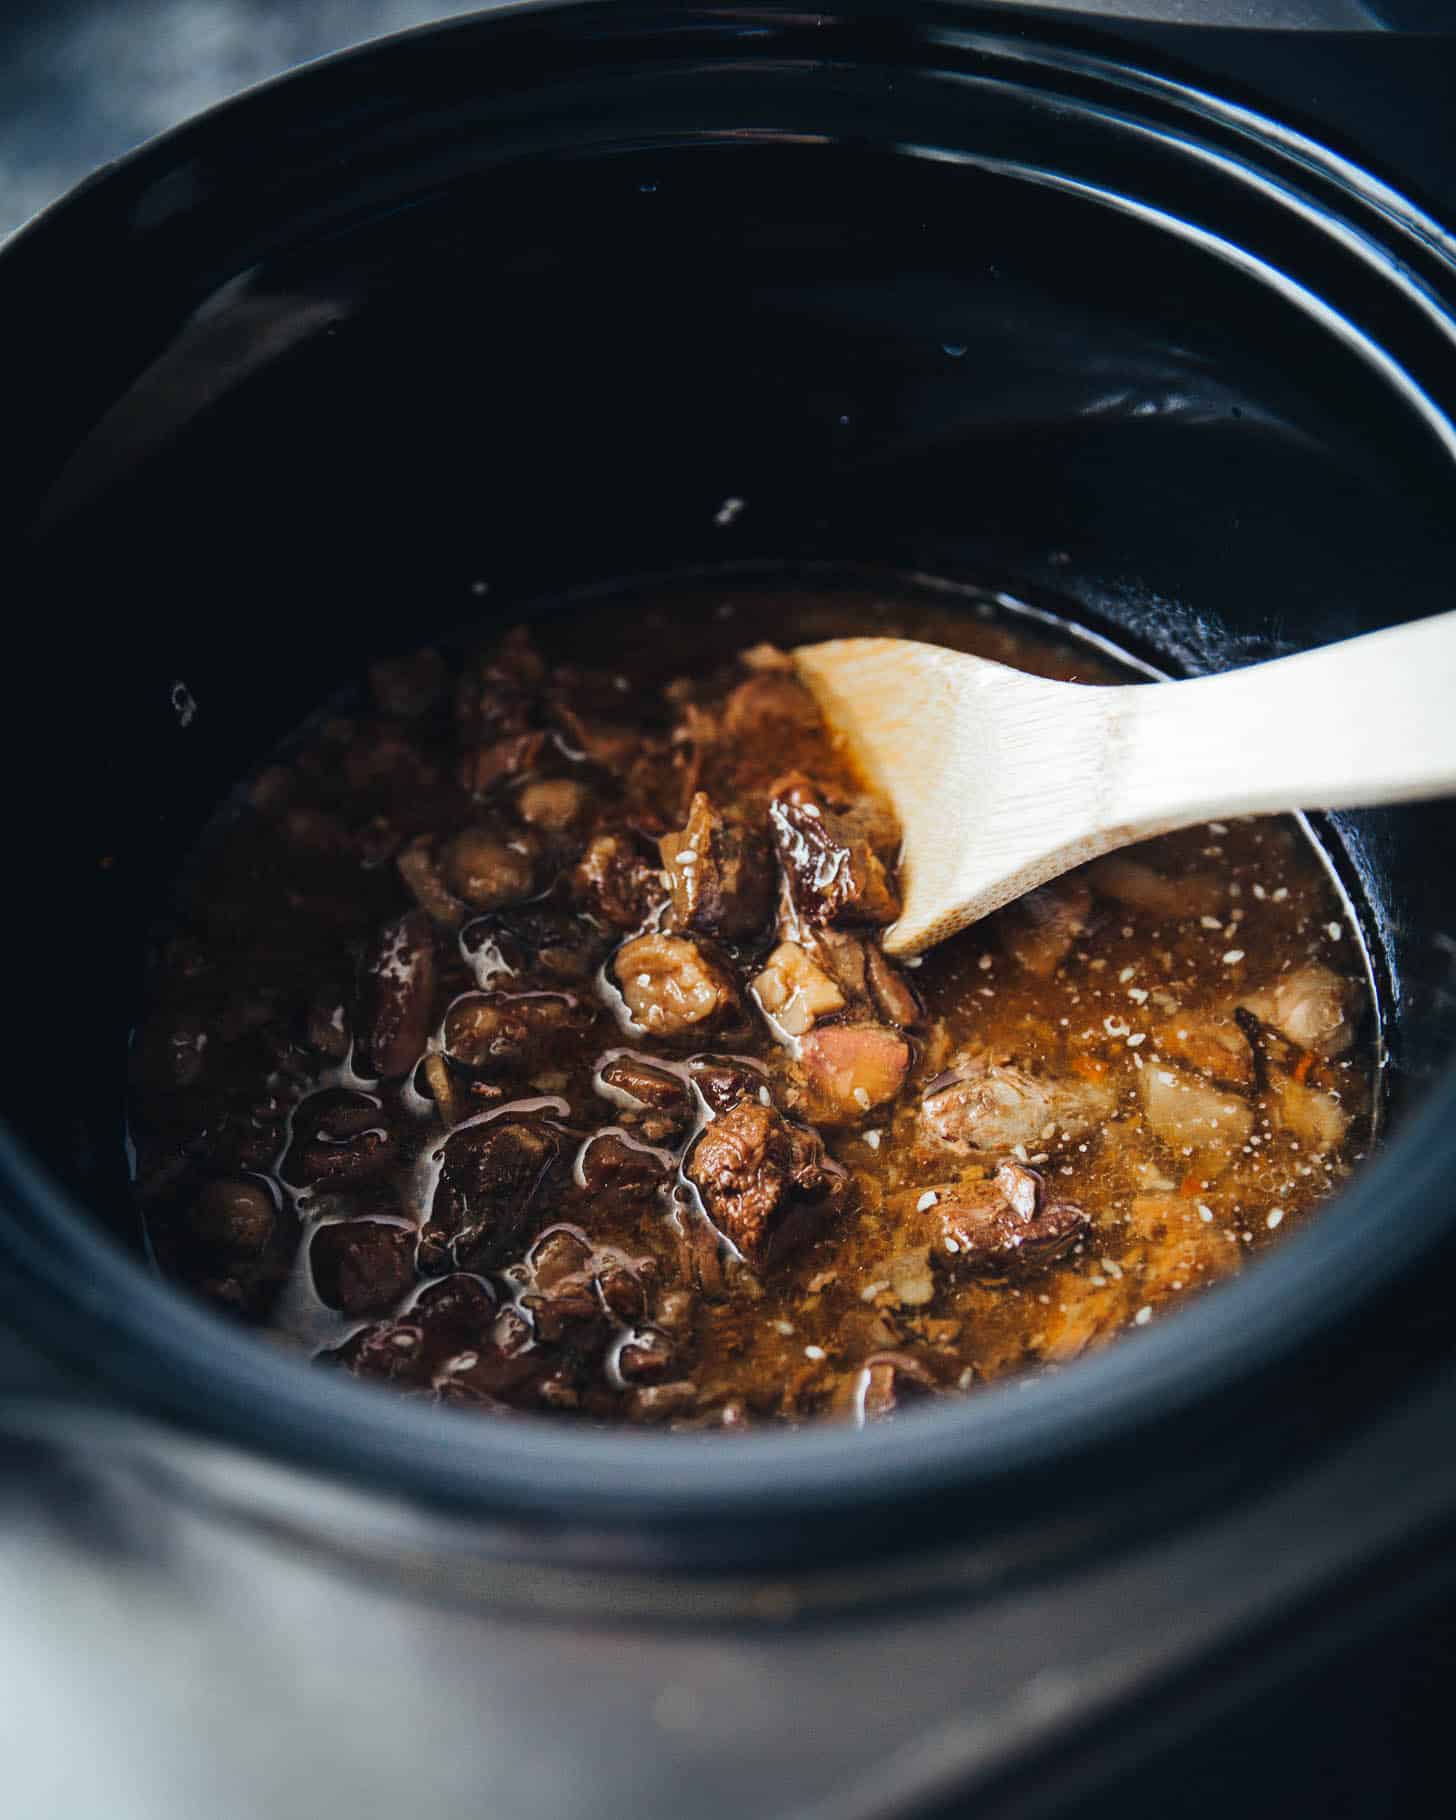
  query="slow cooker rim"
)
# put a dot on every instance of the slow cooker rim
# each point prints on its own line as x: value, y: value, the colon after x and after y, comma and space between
x: 540, y: 1467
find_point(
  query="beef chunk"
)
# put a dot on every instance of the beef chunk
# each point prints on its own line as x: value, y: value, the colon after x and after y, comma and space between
x: 723, y: 1081
x: 615, y: 881
x: 665, y: 1105
x: 234, y: 1216
x: 338, y: 1136
x: 421, y: 874
x: 1137, y: 886
x: 887, y: 1381
x: 672, y: 986
x: 490, y: 869
x: 1211, y: 1043
x: 496, y: 694
x: 534, y: 939
x: 795, y: 992
x: 890, y: 990
x: 483, y: 767
x: 555, y: 805
x: 766, y: 1184
x: 660, y: 1402
x: 992, y: 1227
x: 720, y: 872
x: 1038, y: 930
x: 502, y: 1029
x: 647, y: 1357
x: 1190, y: 1115
x: 407, y: 686
x: 396, y: 993
x: 1311, y: 1006
x: 362, y: 1266
x: 491, y: 1177
x: 326, y: 1026
x: 768, y: 707
x: 1314, y: 1118
x: 987, y: 1106
x: 614, y: 1170
x: 852, y: 1070
x: 834, y: 872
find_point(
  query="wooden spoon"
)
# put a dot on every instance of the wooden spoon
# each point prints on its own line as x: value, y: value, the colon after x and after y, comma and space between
x: 1002, y: 780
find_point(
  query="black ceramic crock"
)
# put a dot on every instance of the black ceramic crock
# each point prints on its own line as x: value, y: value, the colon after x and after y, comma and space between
x: 509, y: 307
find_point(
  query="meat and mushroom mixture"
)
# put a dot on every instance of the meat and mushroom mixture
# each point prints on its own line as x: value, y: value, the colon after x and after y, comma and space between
x: 523, y: 1036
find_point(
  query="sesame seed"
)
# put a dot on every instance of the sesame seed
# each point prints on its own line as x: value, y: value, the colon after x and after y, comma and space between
x: 1281, y: 894
x: 928, y: 1199
x: 1210, y: 922
x: 1276, y: 1214
x: 861, y: 1099
x: 815, y: 1352
x: 1233, y: 957
x: 1133, y: 1041
x: 871, y: 1290
x: 872, y: 1138
x: 1260, y: 893
x: 1333, y: 931
x: 1138, y: 994
x: 784, y: 1327
x: 1126, y: 974
x: 1217, y: 828
x: 985, y: 963
x: 1143, y: 1316
x: 1205, y: 1213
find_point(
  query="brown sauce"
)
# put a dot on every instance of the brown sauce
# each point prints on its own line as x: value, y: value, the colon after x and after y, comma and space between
x: 522, y: 1037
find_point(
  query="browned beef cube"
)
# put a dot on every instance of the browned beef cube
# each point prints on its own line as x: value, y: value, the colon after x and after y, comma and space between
x: 362, y: 1266
x: 616, y: 881
x: 490, y: 868
x: 501, y: 1029
x: 614, y: 1170
x: 992, y: 1227
x: 673, y: 987
x: 721, y: 873
x: 852, y: 1070
x: 234, y: 1216
x: 887, y: 1381
x: 725, y: 1080
x: 766, y: 1184
x: 833, y: 870
x: 338, y: 1136
x: 490, y: 1179
x: 634, y: 1081
x: 482, y: 767
x: 396, y: 996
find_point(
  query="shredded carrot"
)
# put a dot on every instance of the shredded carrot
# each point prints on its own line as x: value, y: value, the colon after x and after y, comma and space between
x: 1090, y: 1067
x: 1303, y: 1066
x: 1190, y: 1187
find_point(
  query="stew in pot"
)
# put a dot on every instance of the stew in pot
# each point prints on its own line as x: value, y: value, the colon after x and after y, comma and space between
x: 521, y: 1036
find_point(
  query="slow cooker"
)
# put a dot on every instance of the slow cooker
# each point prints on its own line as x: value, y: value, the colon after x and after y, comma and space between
x: 1134, y: 326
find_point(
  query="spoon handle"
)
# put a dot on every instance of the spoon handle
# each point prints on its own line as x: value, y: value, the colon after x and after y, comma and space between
x: 1369, y: 720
